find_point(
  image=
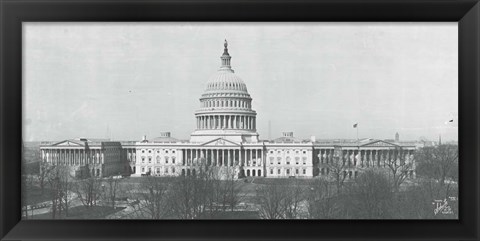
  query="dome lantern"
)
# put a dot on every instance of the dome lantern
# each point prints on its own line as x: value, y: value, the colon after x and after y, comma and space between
x: 226, y: 59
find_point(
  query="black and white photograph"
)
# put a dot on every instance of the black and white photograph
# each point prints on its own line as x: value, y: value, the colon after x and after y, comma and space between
x: 240, y: 120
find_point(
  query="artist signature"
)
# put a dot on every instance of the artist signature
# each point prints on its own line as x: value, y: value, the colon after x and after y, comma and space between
x: 442, y: 206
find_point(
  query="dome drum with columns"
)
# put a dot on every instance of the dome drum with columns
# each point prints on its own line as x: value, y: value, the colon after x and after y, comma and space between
x: 225, y: 108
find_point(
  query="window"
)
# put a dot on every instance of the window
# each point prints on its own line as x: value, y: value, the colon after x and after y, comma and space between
x: 304, y: 171
x: 143, y: 151
x: 297, y: 159
x: 149, y: 159
x: 143, y: 159
x: 288, y: 160
x: 173, y: 159
x: 149, y: 151
x: 166, y: 160
x: 279, y: 160
x: 173, y: 169
x: 143, y: 169
x: 271, y: 171
x: 158, y: 170
x: 278, y: 171
x: 271, y: 152
x: 166, y: 151
x: 304, y: 159
x: 304, y: 152
x: 173, y: 151
x: 296, y: 171
x: 166, y: 170
x: 271, y: 160
x: 158, y: 159
x: 288, y: 171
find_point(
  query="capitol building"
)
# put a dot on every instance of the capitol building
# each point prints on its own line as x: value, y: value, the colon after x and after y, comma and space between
x: 226, y: 141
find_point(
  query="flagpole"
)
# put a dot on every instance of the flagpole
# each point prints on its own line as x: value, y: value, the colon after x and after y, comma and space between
x: 357, y: 134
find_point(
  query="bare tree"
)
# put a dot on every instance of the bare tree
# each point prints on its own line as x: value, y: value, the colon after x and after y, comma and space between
x: 112, y: 188
x: 89, y: 191
x: 321, y: 200
x: 45, y: 172
x: 60, y: 182
x: 224, y: 189
x: 440, y: 162
x: 295, y: 194
x: 336, y: 168
x: 270, y: 199
x: 190, y: 195
x: 370, y: 197
x: 398, y: 168
x: 155, y: 198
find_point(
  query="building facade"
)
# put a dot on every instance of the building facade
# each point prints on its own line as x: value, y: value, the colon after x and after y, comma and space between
x: 225, y: 139
x: 87, y: 157
x: 226, y: 142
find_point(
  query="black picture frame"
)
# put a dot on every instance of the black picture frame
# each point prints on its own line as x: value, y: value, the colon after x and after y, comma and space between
x: 14, y: 12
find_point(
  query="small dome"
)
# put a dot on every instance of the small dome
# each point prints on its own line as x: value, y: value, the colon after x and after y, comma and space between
x: 226, y: 81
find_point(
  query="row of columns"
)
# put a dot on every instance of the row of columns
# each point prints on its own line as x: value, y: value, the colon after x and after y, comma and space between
x: 365, y: 158
x: 226, y: 103
x: 131, y: 155
x: 223, y: 157
x: 226, y: 122
x: 72, y: 157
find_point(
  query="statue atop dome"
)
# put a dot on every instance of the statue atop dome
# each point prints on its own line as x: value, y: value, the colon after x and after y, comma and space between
x: 225, y: 50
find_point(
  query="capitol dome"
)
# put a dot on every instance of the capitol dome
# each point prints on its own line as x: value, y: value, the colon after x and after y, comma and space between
x: 226, y: 81
x: 225, y: 107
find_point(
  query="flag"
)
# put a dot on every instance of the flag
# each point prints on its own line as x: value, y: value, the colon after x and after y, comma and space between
x: 355, y: 125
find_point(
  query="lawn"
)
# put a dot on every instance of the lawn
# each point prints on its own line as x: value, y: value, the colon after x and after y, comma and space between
x: 82, y: 212
x: 33, y: 195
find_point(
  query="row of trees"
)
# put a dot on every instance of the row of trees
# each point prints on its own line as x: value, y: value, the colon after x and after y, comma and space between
x: 62, y: 189
x: 204, y: 195
x: 379, y: 193
x: 375, y: 193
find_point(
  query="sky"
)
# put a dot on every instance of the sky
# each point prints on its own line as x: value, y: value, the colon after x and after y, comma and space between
x: 126, y: 80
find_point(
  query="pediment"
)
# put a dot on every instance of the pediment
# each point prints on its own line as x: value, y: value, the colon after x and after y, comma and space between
x: 220, y: 142
x: 379, y: 143
x: 68, y: 143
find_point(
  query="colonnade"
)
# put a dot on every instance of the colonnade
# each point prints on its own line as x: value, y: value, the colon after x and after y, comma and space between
x: 222, y: 157
x: 366, y: 158
x: 226, y: 122
x: 131, y: 155
x: 226, y: 103
x: 72, y: 157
